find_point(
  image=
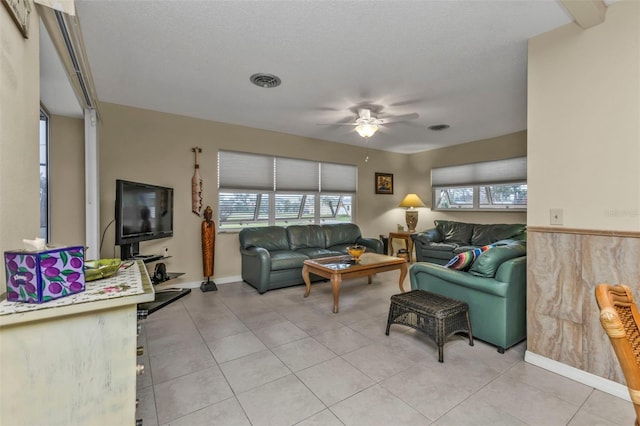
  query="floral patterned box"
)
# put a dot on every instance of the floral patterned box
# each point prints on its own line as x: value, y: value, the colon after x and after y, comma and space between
x: 40, y: 276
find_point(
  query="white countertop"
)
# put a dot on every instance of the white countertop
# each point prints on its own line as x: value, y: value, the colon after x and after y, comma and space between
x: 129, y: 286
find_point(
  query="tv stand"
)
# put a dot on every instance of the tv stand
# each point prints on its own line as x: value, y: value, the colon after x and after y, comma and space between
x: 164, y: 296
x: 148, y: 258
x: 129, y: 251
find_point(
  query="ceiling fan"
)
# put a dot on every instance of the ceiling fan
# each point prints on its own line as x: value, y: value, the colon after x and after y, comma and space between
x: 367, y: 124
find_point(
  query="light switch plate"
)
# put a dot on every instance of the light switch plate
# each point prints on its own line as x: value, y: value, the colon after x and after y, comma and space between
x: 555, y: 216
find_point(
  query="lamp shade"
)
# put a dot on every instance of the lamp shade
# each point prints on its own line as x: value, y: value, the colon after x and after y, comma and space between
x: 411, y: 200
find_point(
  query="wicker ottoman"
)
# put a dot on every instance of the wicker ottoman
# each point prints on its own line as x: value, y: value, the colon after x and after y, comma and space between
x: 431, y: 313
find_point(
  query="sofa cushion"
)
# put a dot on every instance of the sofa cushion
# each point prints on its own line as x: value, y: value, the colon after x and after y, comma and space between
x: 268, y: 237
x: 487, y: 234
x: 439, y: 257
x: 336, y: 234
x: 287, y: 259
x: 462, y: 249
x: 454, y: 232
x: 488, y: 262
x: 463, y: 261
x: 445, y: 247
x: 340, y: 247
x: 305, y: 236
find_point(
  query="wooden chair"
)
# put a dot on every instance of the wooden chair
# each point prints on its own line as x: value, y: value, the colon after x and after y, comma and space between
x: 620, y: 318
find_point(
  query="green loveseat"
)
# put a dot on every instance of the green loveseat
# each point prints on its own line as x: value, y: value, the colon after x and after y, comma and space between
x: 495, y: 287
x: 449, y: 238
x: 273, y: 256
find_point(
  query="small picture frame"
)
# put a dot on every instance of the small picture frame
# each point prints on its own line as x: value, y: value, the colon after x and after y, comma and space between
x: 384, y: 183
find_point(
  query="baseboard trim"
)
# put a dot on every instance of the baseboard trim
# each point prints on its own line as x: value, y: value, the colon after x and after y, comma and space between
x: 227, y: 280
x: 196, y: 284
x: 589, y: 379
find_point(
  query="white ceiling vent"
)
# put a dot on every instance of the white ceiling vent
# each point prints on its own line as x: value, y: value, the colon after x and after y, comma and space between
x: 267, y: 81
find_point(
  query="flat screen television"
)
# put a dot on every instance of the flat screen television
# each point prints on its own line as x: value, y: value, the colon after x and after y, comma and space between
x: 143, y: 212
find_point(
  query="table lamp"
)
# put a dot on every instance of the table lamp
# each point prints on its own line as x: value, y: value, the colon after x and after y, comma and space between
x: 412, y: 201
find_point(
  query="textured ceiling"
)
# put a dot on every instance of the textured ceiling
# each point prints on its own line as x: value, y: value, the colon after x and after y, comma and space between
x: 462, y: 63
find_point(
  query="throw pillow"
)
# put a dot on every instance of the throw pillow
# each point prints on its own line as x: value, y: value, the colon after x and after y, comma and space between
x: 489, y: 261
x: 463, y: 261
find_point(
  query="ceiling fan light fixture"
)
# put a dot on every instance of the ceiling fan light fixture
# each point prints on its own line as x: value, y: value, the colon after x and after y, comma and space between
x: 366, y: 130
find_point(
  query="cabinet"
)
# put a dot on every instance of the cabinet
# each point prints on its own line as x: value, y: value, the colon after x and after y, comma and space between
x: 73, y: 360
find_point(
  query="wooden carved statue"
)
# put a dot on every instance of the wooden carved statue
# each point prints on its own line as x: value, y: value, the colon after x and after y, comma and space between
x: 208, y: 231
x: 196, y: 186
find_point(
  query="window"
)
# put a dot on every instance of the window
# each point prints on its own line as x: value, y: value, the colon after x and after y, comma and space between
x: 492, y: 185
x: 44, y: 175
x: 260, y: 190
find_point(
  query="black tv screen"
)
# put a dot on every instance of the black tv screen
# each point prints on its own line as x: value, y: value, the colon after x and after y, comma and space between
x: 143, y: 212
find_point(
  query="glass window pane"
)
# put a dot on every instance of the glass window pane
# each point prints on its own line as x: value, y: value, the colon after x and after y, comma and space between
x: 263, y: 208
x: 504, y: 196
x: 43, y: 201
x: 288, y: 206
x: 335, y: 208
x: 454, y: 198
x: 344, y: 209
x: 294, y: 209
x: 484, y: 197
x: 309, y: 209
x: 238, y: 209
x: 44, y: 176
x: 329, y: 205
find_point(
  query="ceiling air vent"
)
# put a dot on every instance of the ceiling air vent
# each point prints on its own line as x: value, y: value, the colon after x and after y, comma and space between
x: 265, y: 80
x: 438, y: 127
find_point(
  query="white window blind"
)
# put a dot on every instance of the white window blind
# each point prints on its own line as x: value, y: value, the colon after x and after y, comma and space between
x: 297, y: 175
x: 259, y: 190
x: 488, y: 172
x: 338, y: 177
x: 241, y: 170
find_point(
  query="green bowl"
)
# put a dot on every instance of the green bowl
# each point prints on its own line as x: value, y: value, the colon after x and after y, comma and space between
x: 98, y: 269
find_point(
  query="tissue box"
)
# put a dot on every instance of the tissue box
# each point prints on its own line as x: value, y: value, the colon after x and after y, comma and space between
x: 40, y: 276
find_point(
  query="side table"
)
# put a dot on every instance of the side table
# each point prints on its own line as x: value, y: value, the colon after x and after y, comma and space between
x: 406, y: 236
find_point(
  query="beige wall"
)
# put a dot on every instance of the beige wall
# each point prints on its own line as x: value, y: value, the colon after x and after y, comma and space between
x: 584, y: 157
x: 66, y: 177
x: 19, y: 135
x: 584, y: 123
x: 154, y: 147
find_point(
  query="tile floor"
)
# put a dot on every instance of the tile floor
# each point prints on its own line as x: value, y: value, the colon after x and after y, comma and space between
x: 234, y: 357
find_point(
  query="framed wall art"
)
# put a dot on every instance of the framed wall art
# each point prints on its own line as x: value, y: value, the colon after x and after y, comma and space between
x: 384, y: 183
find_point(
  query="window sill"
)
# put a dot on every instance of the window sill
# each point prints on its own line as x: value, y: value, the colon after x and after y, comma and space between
x: 509, y: 210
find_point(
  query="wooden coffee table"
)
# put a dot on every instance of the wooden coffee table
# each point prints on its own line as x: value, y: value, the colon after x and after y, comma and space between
x: 339, y: 268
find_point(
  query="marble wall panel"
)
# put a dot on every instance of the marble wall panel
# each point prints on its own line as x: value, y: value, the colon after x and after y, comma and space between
x: 556, y: 339
x: 562, y: 314
x: 612, y: 260
x: 553, y: 264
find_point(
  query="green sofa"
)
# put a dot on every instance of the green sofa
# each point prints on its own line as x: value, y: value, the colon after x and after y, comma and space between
x: 449, y: 238
x: 495, y: 287
x: 273, y: 256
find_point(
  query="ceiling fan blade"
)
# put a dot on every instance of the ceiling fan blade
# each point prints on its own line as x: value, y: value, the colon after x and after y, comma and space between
x: 393, y: 119
x: 337, y: 124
